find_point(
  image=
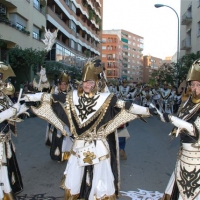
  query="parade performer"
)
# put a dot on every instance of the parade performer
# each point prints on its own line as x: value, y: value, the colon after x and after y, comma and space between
x: 124, y: 90
x: 135, y: 93
x: 146, y: 96
x: 113, y: 88
x: 91, y: 115
x: 184, y: 182
x: 165, y: 93
x: 10, y: 177
x: 59, y: 145
x: 156, y: 95
x: 175, y: 99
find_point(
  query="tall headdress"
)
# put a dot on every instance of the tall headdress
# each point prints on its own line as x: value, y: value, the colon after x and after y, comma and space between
x: 165, y: 83
x: 6, y: 72
x: 194, y: 71
x: 93, y: 70
x: 64, y: 78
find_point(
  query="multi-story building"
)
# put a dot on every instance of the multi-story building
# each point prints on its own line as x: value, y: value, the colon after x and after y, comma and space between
x: 151, y: 63
x: 190, y: 27
x: 112, y: 55
x: 22, y: 23
x: 132, y: 46
x: 79, y: 23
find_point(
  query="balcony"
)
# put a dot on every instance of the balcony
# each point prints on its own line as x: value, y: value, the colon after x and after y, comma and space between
x: 186, y: 18
x: 9, y: 3
x: 186, y: 44
x: 14, y: 25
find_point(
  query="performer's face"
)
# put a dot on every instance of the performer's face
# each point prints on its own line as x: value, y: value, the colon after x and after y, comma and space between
x: 88, y: 86
x: 165, y: 86
x: 195, y: 87
x: 63, y: 86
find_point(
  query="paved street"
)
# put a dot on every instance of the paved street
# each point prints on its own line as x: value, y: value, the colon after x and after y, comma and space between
x: 151, y: 159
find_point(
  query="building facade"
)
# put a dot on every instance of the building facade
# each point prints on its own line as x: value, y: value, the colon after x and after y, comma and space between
x: 79, y: 23
x: 190, y: 27
x: 151, y: 63
x: 22, y: 23
x: 112, y: 55
x: 132, y: 47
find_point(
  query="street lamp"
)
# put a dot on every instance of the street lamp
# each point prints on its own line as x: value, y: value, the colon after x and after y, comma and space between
x: 178, y: 52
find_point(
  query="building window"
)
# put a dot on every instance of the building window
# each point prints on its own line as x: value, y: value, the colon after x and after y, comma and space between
x: 103, y: 39
x: 73, y: 26
x: 18, y: 21
x: 2, y: 9
x: 59, y: 53
x: 73, y: 44
x: 109, y: 73
x: 36, y: 35
x: 198, y: 28
x: 79, y: 48
x: 36, y: 4
x: 67, y: 2
x: 124, y: 40
x: 36, y: 32
x: 125, y: 47
x: 19, y: 26
x: 104, y: 47
x: 73, y: 7
x: 103, y: 55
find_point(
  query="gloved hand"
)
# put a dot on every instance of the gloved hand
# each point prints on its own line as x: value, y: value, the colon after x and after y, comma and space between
x: 32, y: 97
x: 152, y: 111
x: 17, y: 106
x: 23, y: 109
x: 166, y: 117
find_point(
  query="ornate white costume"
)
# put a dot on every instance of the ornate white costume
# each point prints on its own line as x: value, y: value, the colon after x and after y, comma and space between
x: 185, y: 180
x: 92, y: 169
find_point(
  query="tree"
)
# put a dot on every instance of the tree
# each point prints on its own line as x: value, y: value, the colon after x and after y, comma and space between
x: 185, y: 63
x: 171, y: 72
x: 24, y: 60
x: 165, y: 73
x: 54, y: 69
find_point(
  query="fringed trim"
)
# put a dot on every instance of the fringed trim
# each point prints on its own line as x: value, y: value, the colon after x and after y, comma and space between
x: 112, y: 197
x: 9, y: 196
x: 69, y: 196
x: 65, y: 156
x: 166, y: 197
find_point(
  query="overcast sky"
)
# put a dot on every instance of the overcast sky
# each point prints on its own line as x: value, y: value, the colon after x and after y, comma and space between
x: 158, y: 26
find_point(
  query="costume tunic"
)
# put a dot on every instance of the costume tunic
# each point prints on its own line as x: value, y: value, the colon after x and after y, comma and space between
x: 165, y: 100
x: 10, y: 177
x: 60, y: 145
x: 185, y: 180
x: 92, y: 120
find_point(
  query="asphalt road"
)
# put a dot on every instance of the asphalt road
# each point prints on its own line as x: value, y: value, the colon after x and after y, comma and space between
x: 151, y: 159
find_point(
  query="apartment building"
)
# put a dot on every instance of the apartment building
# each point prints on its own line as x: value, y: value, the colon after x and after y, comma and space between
x: 79, y: 36
x: 132, y: 46
x: 151, y: 63
x: 190, y: 27
x: 112, y: 55
x: 22, y: 23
